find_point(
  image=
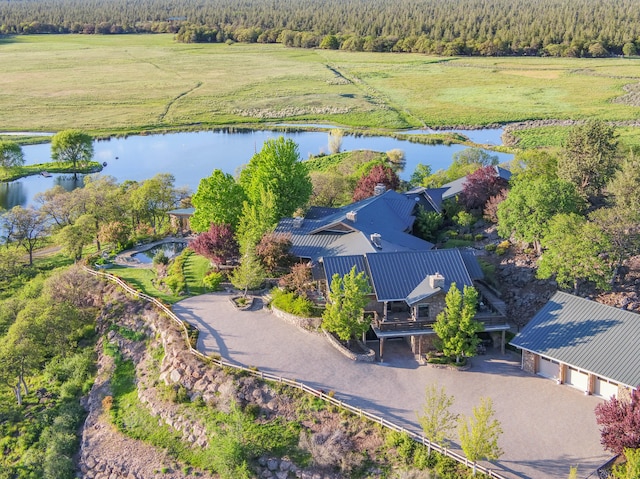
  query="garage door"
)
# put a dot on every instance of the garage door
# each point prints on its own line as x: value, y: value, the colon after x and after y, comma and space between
x: 548, y: 368
x: 577, y: 379
x: 605, y: 389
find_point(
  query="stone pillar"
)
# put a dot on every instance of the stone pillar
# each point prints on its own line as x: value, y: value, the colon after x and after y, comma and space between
x: 502, y: 343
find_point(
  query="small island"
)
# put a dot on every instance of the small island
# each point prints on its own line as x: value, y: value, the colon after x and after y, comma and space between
x: 17, y: 172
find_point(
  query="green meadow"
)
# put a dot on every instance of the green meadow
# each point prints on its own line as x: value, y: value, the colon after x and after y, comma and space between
x: 133, y: 83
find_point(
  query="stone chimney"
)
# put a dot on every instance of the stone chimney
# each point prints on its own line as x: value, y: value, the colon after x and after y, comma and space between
x: 436, y: 281
x: 352, y: 216
x: 379, y: 189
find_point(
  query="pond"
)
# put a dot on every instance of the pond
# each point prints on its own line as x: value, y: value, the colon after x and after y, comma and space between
x: 194, y: 155
x: 170, y: 250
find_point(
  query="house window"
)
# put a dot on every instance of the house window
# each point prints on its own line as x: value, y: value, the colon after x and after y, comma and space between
x: 423, y: 311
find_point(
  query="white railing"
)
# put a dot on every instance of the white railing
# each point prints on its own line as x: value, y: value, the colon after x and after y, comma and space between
x: 296, y: 384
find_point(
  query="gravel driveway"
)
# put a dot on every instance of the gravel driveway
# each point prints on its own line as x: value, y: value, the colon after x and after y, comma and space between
x: 547, y: 428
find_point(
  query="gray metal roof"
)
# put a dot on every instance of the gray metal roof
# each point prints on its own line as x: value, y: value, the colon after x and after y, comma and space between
x: 429, y: 198
x: 396, y: 275
x: 472, y: 264
x: 422, y: 291
x: 588, y: 335
x: 342, y: 265
x: 388, y: 215
x: 182, y: 212
x: 401, y: 276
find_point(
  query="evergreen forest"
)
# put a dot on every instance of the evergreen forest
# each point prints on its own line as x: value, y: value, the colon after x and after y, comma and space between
x: 576, y: 28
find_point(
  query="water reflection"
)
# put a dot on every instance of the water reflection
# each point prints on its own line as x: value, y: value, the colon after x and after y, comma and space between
x: 12, y: 194
x: 69, y: 182
x: 192, y: 156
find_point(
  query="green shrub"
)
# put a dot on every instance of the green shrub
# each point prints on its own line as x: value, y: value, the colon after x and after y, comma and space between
x: 467, y: 237
x: 490, y: 247
x: 160, y: 258
x: 451, y: 233
x: 293, y: 304
x: 447, y: 468
x: 502, y: 248
x: 479, y: 237
x: 212, y: 281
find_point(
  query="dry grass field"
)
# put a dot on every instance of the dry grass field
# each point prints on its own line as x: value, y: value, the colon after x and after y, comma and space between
x: 131, y: 83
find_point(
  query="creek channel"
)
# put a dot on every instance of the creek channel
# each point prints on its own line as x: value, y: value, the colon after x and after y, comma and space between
x: 192, y: 156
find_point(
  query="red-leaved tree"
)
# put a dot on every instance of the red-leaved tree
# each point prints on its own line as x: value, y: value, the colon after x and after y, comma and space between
x: 218, y: 244
x: 274, y: 251
x: 620, y: 423
x: 378, y: 174
x: 480, y: 186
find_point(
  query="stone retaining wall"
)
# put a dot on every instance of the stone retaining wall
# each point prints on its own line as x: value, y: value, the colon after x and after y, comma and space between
x: 311, y: 325
x: 368, y: 357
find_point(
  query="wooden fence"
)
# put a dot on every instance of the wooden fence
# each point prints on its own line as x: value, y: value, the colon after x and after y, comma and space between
x: 296, y: 384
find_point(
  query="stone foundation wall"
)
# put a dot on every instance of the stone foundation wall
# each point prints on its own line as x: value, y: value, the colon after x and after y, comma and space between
x: 529, y: 362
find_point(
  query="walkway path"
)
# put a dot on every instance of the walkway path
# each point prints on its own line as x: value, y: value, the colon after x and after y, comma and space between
x: 547, y: 427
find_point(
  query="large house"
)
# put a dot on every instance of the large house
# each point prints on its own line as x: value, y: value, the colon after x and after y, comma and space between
x: 409, y: 279
x: 381, y: 223
x: 587, y: 345
x: 409, y: 289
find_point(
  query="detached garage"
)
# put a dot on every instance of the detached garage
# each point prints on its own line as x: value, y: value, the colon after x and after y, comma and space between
x: 589, y: 346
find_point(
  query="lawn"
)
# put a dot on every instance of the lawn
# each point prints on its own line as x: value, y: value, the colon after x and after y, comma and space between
x: 142, y: 280
x: 132, y: 83
x: 195, y: 268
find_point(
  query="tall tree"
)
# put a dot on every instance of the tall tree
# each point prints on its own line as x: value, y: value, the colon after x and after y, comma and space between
x: 479, y: 433
x: 480, y: 186
x: 348, y: 297
x: 625, y: 186
x: 530, y: 205
x: 274, y: 250
x: 11, y: 154
x: 589, y: 159
x: 277, y: 168
x: 619, y: 423
x: 218, y: 200
x: 455, y: 326
x: 437, y: 420
x: 154, y: 198
x: 622, y: 228
x: 250, y: 274
x: 217, y: 245
x: 73, y: 146
x: 534, y: 163
x: 575, y: 251
x: 74, y: 237
x: 59, y: 205
x: 420, y: 174
x: 26, y: 226
x: 257, y: 220
x: 379, y: 174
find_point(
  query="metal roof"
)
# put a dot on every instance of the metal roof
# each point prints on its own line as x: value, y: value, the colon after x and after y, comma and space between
x: 396, y: 275
x: 429, y: 198
x: 472, y: 264
x: 388, y: 215
x: 587, y: 335
x: 182, y: 212
x: 342, y: 265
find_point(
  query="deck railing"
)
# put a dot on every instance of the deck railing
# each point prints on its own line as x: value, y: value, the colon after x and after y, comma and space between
x: 297, y: 384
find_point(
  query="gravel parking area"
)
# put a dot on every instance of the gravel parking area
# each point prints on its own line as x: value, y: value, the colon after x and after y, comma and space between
x: 547, y: 427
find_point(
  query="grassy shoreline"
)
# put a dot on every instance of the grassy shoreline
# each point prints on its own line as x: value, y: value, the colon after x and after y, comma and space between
x: 15, y: 173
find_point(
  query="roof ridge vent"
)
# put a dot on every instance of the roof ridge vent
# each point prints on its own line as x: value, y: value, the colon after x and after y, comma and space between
x: 379, y: 189
x: 352, y: 215
x: 298, y: 221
